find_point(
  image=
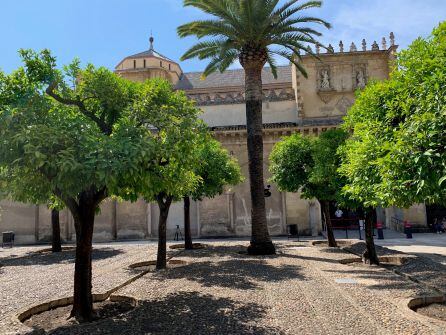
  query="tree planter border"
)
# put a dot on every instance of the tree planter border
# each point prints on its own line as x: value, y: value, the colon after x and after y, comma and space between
x: 195, y: 246
x: 384, y: 260
x: 324, y: 243
x: 135, y: 266
x: 424, y: 301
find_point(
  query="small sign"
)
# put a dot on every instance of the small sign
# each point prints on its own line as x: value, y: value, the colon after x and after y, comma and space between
x: 346, y: 281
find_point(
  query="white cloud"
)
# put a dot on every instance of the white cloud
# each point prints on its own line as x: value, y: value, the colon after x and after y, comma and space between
x: 355, y: 20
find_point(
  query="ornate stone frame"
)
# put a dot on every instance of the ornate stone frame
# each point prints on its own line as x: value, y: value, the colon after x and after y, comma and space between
x: 364, y: 68
x: 326, y: 94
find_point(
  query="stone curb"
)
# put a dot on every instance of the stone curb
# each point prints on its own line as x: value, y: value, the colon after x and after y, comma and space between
x: 28, y: 312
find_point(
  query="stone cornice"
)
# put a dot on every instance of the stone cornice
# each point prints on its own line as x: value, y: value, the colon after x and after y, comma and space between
x: 230, y: 97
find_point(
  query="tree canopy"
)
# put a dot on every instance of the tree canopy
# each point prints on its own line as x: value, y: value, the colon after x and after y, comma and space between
x: 309, y: 164
x: 216, y: 170
x: 249, y: 26
x: 396, y: 154
x: 84, y: 134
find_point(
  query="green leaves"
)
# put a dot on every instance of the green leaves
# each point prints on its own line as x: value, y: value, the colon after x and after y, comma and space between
x: 236, y: 26
x: 86, y: 128
x: 216, y: 169
x: 309, y: 165
x: 396, y: 155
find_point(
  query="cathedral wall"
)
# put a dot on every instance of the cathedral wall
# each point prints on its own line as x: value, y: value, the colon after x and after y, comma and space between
x: 235, y: 114
x: 20, y: 218
x: 330, y: 88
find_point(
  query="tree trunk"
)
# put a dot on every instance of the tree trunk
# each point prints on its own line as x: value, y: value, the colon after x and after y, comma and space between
x: 369, y: 256
x: 261, y: 243
x: 164, y: 205
x: 83, y: 211
x: 83, y: 299
x: 55, y: 227
x: 187, y: 235
x: 325, y: 206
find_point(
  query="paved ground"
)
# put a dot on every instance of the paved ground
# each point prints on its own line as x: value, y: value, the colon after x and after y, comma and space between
x: 28, y: 278
x: 303, y: 290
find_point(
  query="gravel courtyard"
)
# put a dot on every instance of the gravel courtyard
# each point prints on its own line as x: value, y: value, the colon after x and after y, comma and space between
x: 302, y: 290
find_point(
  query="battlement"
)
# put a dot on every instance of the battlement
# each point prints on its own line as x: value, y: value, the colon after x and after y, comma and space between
x: 319, y: 49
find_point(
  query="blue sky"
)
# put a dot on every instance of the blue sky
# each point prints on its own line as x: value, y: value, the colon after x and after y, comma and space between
x: 105, y: 31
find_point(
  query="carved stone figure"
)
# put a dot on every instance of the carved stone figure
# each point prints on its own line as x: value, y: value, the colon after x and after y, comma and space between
x: 360, y: 79
x: 325, y: 79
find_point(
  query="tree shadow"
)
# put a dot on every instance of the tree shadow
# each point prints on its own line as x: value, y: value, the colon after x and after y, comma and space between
x: 246, y: 274
x: 182, y: 313
x: 33, y: 258
x: 234, y: 251
x: 385, y: 280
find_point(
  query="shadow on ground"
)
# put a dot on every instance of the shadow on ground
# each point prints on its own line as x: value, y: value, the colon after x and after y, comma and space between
x: 238, y: 272
x: 181, y: 313
x: 33, y: 258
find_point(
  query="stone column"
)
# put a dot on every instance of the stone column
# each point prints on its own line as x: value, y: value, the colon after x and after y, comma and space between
x: 198, y: 220
x: 284, y: 222
x: 36, y: 223
x: 149, y: 219
x: 67, y: 225
x: 114, y: 220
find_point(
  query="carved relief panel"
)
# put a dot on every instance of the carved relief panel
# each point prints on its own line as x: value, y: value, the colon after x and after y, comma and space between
x: 324, y: 78
x: 359, y: 76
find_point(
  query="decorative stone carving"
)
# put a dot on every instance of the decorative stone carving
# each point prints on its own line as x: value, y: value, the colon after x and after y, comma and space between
x: 384, y: 43
x: 392, y: 39
x: 344, y: 104
x: 324, y: 85
x: 364, y: 45
x: 330, y: 49
x: 375, y: 46
x: 341, y: 46
x: 359, y: 76
x: 325, y: 80
x: 353, y: 47
x: 228, y: 98
x: 318, y: 48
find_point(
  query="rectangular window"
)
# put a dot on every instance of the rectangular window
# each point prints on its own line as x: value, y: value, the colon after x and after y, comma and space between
x: 144, y: 63
x: 161, y: 64
x: 134, y: 63
x: 169, y: 67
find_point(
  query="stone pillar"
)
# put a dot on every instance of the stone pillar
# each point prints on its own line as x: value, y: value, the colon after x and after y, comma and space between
x: 284, y: 222
x: 198, y: 220
x: 149, y: 219
x: 230, y: 199
x: 36, y: 223
x: 313, y: 217
x: 114, y: 220
x: 67, y: 225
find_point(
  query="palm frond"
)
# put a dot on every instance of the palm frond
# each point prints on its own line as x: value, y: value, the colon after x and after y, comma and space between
x: 237, y: 25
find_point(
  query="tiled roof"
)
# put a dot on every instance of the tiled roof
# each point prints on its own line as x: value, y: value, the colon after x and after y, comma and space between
x: 150, y: 53
x: 192, y: 80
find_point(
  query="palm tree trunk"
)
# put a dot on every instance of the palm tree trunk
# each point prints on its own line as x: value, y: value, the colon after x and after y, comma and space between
x: 261, y: 243
x: 187, y: 234
x: 55, y: 227
x: 325, y: 206
x: 164, y: 205
x: 369, y: 256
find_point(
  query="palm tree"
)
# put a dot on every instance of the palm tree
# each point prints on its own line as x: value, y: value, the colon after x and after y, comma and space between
x: 253, y: 32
